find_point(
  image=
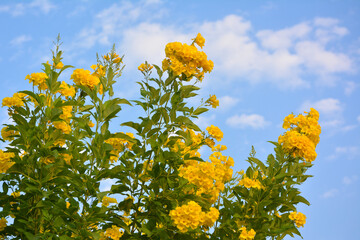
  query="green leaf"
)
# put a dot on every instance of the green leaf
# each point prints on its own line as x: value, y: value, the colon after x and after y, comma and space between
x: 301, y: 199
x: 133, y: 125
x: 188, y: 122
x: 200, y: 110
x: 164, y: 98
x: 259, y: 163
x: 119, y: 188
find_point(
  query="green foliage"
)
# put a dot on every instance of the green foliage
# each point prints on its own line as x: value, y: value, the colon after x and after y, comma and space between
x: 58, y: 174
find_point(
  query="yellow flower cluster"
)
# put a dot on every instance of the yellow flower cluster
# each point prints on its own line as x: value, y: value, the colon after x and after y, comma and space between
x: 3, y: 222
x: 66, y: 90
x: 191, y: 216
x: 199, y: 40
x: 15, y: 194
x: 145, y: 67
x: 84, y: 78
x: 17, y: 100
x: 107, y: 200
x: 99, y: 70
x: 66, y: 115
x: 7, y: 134
x: 209, y: 177
x: 215, y: 132
x: 63, y: 126
x: 114, y: 233
x: 47, y: 160
x: 119, y: 145
x: 250, y: 183
x: 187, y: 59
x: 59, y: 65
x: 247, y: 235
x: 213, y: 102
x: 91, y: 124
x: 67, y: 157
x: 303, y: 135
x: 5, y: 161
x: 299, y: 218
x: 113, y: 57
x: 38, y: 79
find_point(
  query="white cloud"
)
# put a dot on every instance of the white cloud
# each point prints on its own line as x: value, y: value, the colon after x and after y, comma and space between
x: 347, y: 180
x: 328, y: 106
x: 325, y: 22
x: 358, y: 118
x: 350, y: 151
x: 345, y: 152
x: 4, y: 8
x: 350, y: 88
x: 331, y: 193
x: 253, y: 120
x: 318, y: 60
x: 284, y: 38
x: 147, y: 42
x: 45, y: 6
x: 20, y: 40
x: 282, y: 57
x: 227, y: 102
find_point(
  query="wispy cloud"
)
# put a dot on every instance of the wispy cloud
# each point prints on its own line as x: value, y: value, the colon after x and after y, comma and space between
x: 254, y: 121
x: 347, y: 180
x: 44, y: 6
x: 330, y: 194
x: 227, y: 102
x: 350, y: 87
x: 20, y: 40
x: 345, y: 152
x: 327, y: 106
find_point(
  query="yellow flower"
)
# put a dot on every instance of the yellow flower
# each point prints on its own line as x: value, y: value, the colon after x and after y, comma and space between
x: 191, y: 216
x: 67, y: 158
x: 84, y: 78
x: 114, y: 232
x: 145, y: 67
x: 302, y: 135
x: 59, y: 65
x: 247, y: 235
x: 7, y: 134
x: 66, y: 90
x: 107, y: 200
x: 117, y: 60
x: 186, y: 59
x: 17, y: 100
x: 5, y: 160
x: 213, y: 102
x: 63, y: 126
x: 298, y: 217
x: 15, y: 194
x: 91, y: 124
x: 215, y: 132
x: 67, y: 204
x: 38, y: 79
x: 250, y: 183
x: 3, y: 222
x: 199, y: 40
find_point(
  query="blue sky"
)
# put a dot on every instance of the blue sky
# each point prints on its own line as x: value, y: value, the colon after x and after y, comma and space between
x: 271, y: 58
